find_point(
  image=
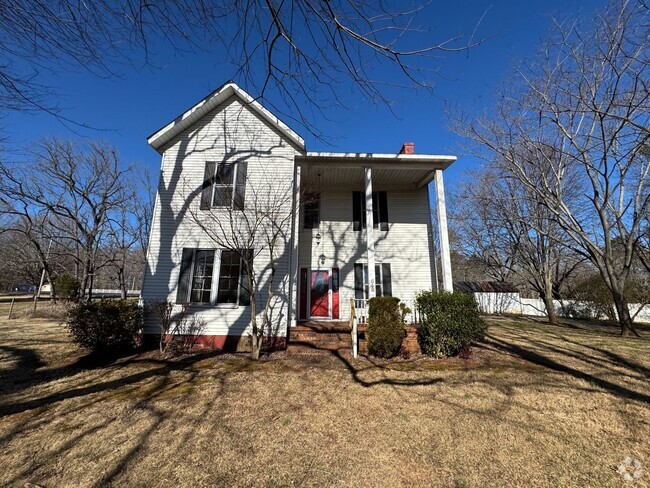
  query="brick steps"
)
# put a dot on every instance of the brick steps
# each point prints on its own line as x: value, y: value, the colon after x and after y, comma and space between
x: 335, y: 337
x: 320, y: 337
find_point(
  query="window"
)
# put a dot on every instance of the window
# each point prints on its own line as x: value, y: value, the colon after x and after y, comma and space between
x: 222, y: 189
x: 378, y: 287
x: 229, y: 277
x: 202, y: 276
x: 383, y: 285
x: 379, y: 210
x: 198, y: 282
x: 224, y: 185
x: 312, y: 211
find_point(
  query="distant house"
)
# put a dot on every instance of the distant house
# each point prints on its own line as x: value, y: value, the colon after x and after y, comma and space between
x: 364, y: 230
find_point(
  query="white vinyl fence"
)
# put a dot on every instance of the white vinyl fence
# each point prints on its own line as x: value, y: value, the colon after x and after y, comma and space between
x: 512, y: 303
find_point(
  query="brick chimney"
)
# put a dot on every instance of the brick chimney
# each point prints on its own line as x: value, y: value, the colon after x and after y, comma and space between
x: 407, y: 148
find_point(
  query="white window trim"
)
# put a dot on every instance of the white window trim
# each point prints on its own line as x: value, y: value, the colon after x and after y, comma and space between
x: 215, y: 286
x: 193, y: 267
x: 376, y: 222
x: 379, y: 279
x: 235, y: 169
x: 216, y: 274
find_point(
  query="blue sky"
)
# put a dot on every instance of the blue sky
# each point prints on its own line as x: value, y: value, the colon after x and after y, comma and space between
x: 130, y: 107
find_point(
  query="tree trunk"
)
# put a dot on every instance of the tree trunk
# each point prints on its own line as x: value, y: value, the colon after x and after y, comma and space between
x: 52, y: 286
x: 550, y: 310
x: 83, y: 286
x: 120, y: 277
x: 624, y: 317
x: 548, y: 303
x: 256, y: 337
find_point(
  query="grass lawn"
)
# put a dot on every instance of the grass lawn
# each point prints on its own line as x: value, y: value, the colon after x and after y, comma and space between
x: 534, y: 406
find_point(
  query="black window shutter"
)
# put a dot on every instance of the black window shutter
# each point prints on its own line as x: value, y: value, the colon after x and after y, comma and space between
x: 383, y: 211
x: 356, y: 210
x: 244, y: 293
x: 358, y: 281
x: 240, y: 189
x: 183, y: 291
x: 208, y: 181
x: 385, y: 280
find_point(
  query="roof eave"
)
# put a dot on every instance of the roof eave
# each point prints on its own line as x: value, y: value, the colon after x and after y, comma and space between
x: 369, y: 160
x: 209, y: 103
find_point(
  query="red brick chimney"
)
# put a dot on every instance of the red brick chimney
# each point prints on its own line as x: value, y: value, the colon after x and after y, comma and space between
x: 407, y: 148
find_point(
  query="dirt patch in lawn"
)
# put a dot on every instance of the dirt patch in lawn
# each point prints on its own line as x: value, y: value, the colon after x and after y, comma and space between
x: 534, y: 406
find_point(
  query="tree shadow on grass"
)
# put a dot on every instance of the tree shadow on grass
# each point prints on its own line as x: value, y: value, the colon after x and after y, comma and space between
x: 546, y: 361
x: 163, y: 369
x: 356, y: 368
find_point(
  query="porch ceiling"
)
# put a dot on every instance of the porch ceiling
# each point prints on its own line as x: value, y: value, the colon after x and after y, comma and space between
x: 354, y: 177
x: 346, y: 169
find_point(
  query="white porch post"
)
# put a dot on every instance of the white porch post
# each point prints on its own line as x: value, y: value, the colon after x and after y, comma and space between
x: 293, y: 299
x: 370, y: 241
x: 445, y: 258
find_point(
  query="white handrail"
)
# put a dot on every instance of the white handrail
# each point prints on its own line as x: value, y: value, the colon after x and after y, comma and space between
x: 361, y: 311
x: 355, y: 338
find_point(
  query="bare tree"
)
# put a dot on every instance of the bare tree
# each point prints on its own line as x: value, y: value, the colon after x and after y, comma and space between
x: 582, y: 109
x: 257, y: 231
x: 78, y: 192
x: 513, y: 232
x: 299, y: 49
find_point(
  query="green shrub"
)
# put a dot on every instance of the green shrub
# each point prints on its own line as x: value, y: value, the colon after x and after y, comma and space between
x: 449, y: 322
x: 105, y: 326
x: 67, y: 286
x: 385, y: 328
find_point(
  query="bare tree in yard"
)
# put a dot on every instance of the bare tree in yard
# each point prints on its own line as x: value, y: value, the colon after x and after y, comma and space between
x: 255, y: 230
x: 30, y: 244
x: 128, y: 231
x: 513, y: 232
x: 20, y: 263
x: 78, y: 190
x: 644, y: 245
x: 299, y: 49
x: 583, y: 110
x: 122, y: 240
x: 477, y: 218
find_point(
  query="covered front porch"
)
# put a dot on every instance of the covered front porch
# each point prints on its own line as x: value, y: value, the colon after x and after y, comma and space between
x: 353, y: 241
x: 345, y: 337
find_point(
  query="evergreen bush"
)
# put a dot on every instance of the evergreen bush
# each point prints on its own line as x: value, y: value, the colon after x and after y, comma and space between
x: 106, y: 326
x: 449, y: 322
x: 385, y: 327
x: 67, y: 287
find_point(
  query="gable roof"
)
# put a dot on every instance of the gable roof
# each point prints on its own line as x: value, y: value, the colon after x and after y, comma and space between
x: 209, y: 103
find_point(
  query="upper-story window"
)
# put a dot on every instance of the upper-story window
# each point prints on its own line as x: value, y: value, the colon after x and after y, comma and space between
x: 312, y: 211
x: 379, y: 210
x: 224, y: 185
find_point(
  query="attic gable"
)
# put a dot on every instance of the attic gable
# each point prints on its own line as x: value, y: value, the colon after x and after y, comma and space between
x: 211, y: 102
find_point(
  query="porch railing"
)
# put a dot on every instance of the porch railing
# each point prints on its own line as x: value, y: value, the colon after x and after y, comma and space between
x: 359, y: 309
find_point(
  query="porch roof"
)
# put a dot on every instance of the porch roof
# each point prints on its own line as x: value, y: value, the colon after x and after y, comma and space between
x: 371, y: 160
x: 409, y: 169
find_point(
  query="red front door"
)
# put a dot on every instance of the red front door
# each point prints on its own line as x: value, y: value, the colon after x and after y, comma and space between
x: 320, y: 296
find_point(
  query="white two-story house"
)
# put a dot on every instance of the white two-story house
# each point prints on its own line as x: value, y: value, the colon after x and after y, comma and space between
x: 322, y: 228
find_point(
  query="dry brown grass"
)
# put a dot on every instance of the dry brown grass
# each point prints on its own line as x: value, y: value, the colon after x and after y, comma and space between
x: 23, y: 307
x: 534, y: 406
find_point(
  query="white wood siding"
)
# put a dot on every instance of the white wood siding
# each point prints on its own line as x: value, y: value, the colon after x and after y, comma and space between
x: 231, y: 131
x: 406, y: 244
